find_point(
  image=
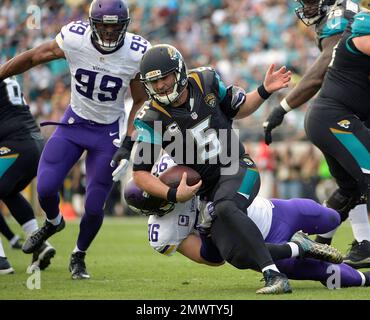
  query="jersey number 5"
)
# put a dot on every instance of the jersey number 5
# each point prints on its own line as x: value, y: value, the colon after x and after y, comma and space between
x: 206, y: 140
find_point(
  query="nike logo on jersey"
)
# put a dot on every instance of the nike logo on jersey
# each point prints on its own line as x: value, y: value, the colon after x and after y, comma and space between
x: 247, y: 196
x: 335, y: 26
x: 362, y: 18
x: 112, y: 133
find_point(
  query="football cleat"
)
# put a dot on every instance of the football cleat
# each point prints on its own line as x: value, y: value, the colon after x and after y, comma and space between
x: 36, y: 240
x: 41, y: 257
x: 275, y: 283
x: 5, y: 267
x: 77, y: 266
x: 359, y: 255
x: 311, y: 249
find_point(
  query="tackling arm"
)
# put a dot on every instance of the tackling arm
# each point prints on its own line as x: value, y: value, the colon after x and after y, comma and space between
x: 44, y: 53
x: 149, y: 183
x: 190, y: 248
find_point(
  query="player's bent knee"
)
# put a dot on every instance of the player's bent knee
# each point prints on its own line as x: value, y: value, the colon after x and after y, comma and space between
x: 223, y: 208
x: 343, y: 203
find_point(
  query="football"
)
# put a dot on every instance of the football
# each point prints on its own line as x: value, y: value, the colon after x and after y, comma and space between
x: 173, y: 175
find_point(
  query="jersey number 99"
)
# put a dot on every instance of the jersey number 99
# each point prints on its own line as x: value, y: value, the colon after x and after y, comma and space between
x: 109, y: 86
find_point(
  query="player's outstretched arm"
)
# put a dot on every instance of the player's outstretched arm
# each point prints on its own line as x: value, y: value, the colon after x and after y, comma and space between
x: 308, y: 86
x: 274, y: 81
x: 44, y: 53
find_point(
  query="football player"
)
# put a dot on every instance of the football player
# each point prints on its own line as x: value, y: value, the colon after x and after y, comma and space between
x: 330, y: 18
x: 336, y: 124
x: 184, y: 227
x: 21, y: 145
x: 104, y: 61
x: 192, y: 114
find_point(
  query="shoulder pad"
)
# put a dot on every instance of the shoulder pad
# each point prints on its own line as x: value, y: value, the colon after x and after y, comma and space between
x: 148, y: 113
x: 138, y: 46
x: 145, y: 125
x: 361, y: 24
x: 335, y: 24
x: 71, y: 35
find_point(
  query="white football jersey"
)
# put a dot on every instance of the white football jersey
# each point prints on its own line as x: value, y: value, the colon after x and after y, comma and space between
x: 167, y: 232
x: 260, y: 211
x: 99, y: 80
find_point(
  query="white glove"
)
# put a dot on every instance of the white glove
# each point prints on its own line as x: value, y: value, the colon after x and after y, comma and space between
x: 120, y: 171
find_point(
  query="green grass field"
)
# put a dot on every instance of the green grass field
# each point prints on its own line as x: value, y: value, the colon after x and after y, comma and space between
x: 123, y: 266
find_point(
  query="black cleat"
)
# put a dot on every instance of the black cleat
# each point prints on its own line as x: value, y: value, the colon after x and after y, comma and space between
x: 359, y: 255
x: 36, y: 240
x: 275, y: 283
x: 311, y: 249
x: 5, y: 267
x: 41, y: 257
x: 77, y: 266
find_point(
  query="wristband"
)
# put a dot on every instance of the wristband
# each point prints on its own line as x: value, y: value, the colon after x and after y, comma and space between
x: 263, y: 92
x: 171, y: 195
x: 284, y: 104
x: 128, y: 143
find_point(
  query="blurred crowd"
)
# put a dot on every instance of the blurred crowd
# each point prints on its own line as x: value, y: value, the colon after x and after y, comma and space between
x: 239, y: 38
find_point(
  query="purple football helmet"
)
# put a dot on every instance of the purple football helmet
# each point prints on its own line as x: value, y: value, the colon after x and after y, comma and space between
x: 109, y: 20
x: 141, y: 202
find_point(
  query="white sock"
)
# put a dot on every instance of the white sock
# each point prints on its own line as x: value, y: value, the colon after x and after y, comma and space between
x: 2, y: 253
x: 56, y: 220
x: 271, y: 267
x: 30, y: 226
x: 76, y: 249
x: 363, y: 278
x: 360, y: 223
x: 14, y: 240
x: 295, y: 249
x: 329, y: 234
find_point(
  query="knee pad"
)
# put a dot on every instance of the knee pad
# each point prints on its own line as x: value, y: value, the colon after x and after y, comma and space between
x: 342, y: 203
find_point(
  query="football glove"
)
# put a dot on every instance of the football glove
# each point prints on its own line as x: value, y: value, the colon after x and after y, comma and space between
x: 121, y: 158
x: 274, y: 119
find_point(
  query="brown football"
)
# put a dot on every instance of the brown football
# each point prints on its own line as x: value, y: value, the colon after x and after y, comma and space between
x: 173, y: 175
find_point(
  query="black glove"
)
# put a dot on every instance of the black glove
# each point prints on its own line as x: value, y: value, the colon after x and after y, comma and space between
x: 123, y: 152
x: 274, y: 119
x: 121, y: 158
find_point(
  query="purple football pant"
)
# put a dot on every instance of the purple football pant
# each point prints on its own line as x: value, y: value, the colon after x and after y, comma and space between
x: 290, y: 216
x: 61, y: 152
